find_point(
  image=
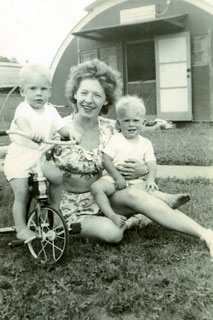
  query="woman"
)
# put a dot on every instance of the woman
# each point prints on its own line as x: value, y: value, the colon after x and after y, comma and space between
x: 92, y: 87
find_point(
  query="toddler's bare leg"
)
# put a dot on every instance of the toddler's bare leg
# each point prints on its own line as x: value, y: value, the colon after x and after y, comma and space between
x: 101, y: 190
x: 54, y: 176
x: 20, y: 190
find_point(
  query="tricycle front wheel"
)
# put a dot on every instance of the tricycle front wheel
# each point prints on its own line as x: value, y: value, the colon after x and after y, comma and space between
x: 53, y: 237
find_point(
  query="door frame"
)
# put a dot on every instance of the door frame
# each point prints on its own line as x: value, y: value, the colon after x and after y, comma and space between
x: 174, y: 116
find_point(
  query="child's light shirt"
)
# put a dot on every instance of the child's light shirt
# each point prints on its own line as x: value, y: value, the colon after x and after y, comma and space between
x: 120, y: 149
x: 20, y: 158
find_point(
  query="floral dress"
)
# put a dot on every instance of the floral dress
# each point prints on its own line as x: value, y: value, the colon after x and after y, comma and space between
x: 85, y: 163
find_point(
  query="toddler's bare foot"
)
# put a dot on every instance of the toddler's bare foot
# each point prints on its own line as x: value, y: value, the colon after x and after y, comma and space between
x: 178, y: 200
x: 25, y: 235
x: 119, y: 220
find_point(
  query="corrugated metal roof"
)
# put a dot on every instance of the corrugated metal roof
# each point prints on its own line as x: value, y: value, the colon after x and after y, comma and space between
x: 9, y: 74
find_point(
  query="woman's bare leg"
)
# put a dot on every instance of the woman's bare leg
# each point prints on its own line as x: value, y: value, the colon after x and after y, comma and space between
x: 158, y: 211
x: 100, y: 228
x: 141, y: 202
x: 173, y: 200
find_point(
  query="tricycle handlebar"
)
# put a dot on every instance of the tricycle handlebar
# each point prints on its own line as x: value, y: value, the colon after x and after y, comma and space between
x: 28, y: 136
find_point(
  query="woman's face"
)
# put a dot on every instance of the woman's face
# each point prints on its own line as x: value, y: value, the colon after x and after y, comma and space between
x: 90, y: 98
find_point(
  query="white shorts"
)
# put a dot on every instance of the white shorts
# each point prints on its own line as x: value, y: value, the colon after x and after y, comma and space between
x: 19, y: 162
x: 129, y: 182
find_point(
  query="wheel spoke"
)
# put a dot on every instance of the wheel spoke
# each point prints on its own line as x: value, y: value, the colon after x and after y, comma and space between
x: 51, y: 243
x: 43, y: 250
x: 59, y: 236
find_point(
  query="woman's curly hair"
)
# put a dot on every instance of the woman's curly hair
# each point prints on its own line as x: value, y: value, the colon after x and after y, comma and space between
x: 108, y: 78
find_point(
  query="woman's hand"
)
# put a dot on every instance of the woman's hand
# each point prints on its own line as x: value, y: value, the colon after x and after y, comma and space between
x: 132, y: 169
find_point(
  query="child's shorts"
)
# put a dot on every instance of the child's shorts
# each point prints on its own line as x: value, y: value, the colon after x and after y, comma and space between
x: 129, y: 182
x: 20, y: 162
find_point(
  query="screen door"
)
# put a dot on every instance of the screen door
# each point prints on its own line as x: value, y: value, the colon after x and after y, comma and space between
x: 173, y: 76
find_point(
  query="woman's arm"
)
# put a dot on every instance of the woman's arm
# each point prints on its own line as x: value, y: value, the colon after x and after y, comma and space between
x: 132, y: 169
x: 70, y: 134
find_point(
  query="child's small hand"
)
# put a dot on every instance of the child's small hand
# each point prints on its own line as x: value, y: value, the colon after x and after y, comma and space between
x: 120, y: 183
x: 75, y: 135
x: 37, y: 137
x: 150, y: 185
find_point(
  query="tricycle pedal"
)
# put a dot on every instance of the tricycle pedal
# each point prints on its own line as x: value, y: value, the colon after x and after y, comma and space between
x: 16, y: 243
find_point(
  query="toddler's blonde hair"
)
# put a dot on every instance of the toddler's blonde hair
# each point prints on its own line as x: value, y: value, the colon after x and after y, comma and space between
x: 127, y: 102
x: 30, y: 70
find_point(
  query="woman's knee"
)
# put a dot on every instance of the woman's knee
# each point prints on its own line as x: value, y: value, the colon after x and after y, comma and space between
x: 129, y: 200
x: 128, y: 197
x: 133, y: 194
x: 112, y: 234
x: 56, y: 177
x: 115, y: 238
x: 101, y: 229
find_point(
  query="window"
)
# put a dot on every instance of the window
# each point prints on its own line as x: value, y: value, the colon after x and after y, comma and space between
x: 108, y: 55
x: 88, y: 55
x: 200, y: 51
x: 141, y: 61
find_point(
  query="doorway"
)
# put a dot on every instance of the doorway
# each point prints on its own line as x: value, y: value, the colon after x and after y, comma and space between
x: 141, y: 75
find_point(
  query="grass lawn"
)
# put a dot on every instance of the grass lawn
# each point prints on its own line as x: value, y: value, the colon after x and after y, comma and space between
x: 183, y: 146
x: 152, y: 274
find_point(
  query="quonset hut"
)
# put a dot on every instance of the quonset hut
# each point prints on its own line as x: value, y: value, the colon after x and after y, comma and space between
x: 164, y: 50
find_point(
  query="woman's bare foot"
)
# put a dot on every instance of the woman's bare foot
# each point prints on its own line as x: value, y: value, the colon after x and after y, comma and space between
x: 26, y: 235
x: 138, y: 221
x: 208, y: 238
x: 178, y: 200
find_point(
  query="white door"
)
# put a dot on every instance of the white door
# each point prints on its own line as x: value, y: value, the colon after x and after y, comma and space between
x: 173, y: 76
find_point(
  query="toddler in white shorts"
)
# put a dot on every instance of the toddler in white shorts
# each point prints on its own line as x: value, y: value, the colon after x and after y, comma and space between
x: 124, y: 145
x: 37, y: 117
